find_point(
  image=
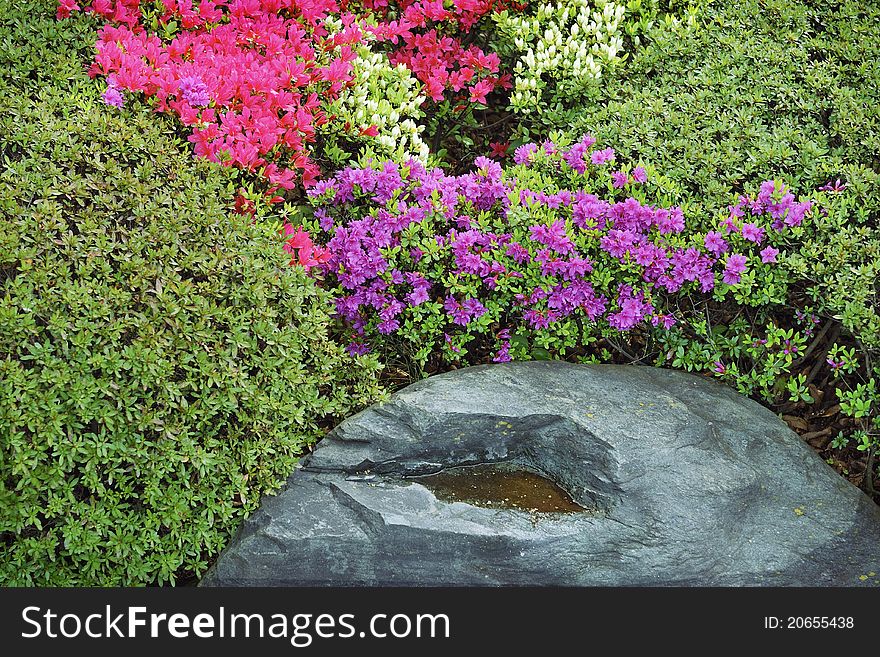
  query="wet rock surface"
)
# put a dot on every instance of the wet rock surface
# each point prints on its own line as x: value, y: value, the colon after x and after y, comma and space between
x: 680, y: 480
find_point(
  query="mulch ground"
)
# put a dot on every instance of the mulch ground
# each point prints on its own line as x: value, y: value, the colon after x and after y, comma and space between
x: 818, y: 424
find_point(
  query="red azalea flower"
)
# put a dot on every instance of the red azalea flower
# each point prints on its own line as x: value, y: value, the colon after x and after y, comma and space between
x: 498, y: 149
x: 244, y: 205
x: 65, y: 7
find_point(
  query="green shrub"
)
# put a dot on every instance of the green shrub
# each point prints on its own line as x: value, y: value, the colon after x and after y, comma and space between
x: 760, y: 89
x: 840, y: 258
x: 161, y: 365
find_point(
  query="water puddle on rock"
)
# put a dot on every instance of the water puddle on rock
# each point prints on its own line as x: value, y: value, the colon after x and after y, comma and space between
x: 499, y: 486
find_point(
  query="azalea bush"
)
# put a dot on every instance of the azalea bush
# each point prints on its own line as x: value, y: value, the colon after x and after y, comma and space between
x: 435, y: 40
x: 564, y: 46
x: 248, y: 80
x: 259, y: 82
x: 544, y: 257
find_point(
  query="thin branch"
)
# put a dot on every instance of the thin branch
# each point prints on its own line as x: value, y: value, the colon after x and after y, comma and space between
x: 814, y: 344
x: 868, y: 481
x: 867, y: 354
x: 507, y: 118
x: 821, y: 360
x: 632, y: 359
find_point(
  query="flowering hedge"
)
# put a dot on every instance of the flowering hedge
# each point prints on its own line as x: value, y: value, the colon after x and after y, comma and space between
x: 255, y: 79
x: 245, y: 78
x: 549, y: 253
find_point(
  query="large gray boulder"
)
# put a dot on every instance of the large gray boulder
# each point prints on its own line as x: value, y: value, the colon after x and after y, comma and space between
x: 682, y: 481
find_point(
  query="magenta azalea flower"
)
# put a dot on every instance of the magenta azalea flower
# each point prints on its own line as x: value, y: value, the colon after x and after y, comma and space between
x: 752, y: 232
x: 769, y: 254
x: 715, y: 243
x: 523, y: 154
x: 603, y: 156
x: 733, y: 268
x: 112, y: 96
x: 619, y: 179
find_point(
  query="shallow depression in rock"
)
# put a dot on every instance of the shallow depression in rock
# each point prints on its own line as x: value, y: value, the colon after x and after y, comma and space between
x: 499, y: 486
